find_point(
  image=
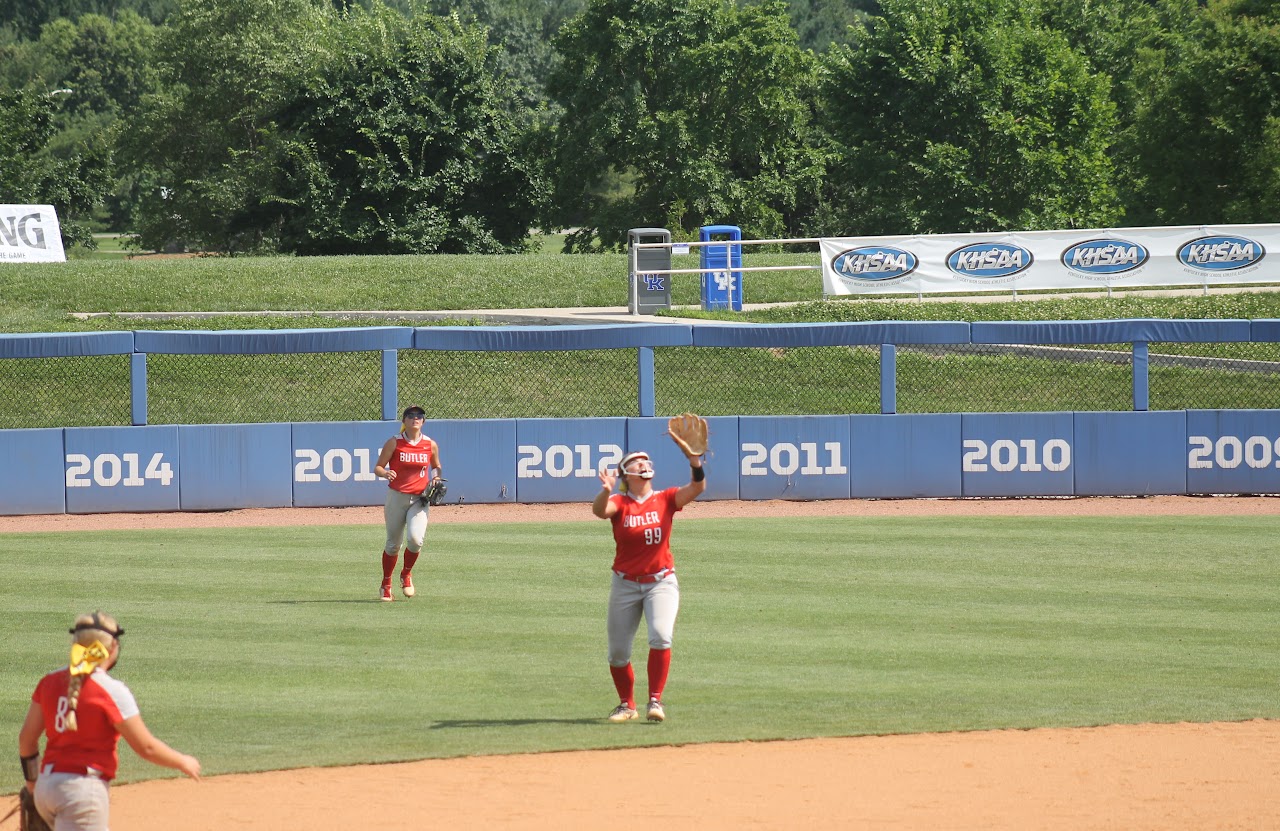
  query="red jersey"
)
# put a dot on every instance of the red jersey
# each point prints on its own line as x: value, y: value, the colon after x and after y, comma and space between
x: 412, y: 463
x: 104, y: 703
x: 642, y: 531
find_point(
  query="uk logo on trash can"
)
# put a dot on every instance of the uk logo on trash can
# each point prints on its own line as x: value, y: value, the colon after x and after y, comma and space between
x: 655, y: 282
x: 724, y: 280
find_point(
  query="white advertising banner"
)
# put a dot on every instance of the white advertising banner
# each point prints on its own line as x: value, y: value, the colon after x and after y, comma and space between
x: 1027, y: 260
x: 30, y: 234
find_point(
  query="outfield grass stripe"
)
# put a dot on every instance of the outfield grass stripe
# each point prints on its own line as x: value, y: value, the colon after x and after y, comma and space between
x: 263, y: 648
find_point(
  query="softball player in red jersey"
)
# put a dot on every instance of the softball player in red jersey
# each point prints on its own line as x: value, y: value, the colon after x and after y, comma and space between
x: 644, y: 576
x: 406, y: 462
x: 83, y: 712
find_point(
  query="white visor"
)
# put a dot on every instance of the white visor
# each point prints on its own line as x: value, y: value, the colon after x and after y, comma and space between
x: 635, y: 457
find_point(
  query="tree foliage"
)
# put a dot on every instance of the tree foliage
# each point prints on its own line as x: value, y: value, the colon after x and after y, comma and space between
x: 351, y: 131
x: 966, y: 115
x: 26, y: 18
x: 702, y: 107
x: 1207, y: 129
x: 74, y: 183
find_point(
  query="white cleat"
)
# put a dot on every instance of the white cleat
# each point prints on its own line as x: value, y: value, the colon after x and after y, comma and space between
x: 623, y: 713
x: 656, y: 713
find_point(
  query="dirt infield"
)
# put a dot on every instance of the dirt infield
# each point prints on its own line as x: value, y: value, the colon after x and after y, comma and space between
x: 1169, y: 777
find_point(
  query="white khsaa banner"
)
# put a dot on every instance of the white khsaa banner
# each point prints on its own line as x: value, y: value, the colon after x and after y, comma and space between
x: 30, y: 234
x: 1171, y: 256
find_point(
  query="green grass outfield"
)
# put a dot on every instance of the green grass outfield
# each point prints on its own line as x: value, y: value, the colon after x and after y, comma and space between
x: 263, y: 648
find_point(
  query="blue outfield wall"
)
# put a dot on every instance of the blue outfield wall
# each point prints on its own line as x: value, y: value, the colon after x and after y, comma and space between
x: 221, y: 467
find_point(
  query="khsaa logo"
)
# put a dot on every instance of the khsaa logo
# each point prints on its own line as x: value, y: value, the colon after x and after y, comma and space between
x: 1103, y: 258
x: 874, y: 264
x: 1221, y: 253
x: 989, y: 262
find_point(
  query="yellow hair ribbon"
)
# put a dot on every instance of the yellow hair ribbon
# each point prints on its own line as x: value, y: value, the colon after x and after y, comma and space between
x: 85, y: 659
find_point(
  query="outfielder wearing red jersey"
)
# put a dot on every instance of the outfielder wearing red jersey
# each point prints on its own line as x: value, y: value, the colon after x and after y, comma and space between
x: 644, y: 580
x: 83, y: 712
x: 406, y: 462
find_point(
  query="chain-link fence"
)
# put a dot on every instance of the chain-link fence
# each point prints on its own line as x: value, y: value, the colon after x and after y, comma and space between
x: 1214, y: 376
x: 977, y: 378
x: 817, y: 380
x: 580, y: 384
x: 247, y: 389
x: 827, y: 380
x: 88, y: 391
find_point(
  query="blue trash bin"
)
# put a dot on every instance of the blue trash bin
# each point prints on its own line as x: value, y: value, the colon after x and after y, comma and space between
x: 722, y: 284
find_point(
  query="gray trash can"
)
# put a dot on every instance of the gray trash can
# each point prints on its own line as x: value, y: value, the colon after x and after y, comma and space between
x: 648, y: 292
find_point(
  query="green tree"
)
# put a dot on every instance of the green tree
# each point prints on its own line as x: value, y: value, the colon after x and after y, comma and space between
x: 357, y: 130
x: 1207, y: 128
x: 201, y: 143
x: 29, y: 173
x: 402, y: 140
x: 701, y: 109
x: 966, y: 115
x: 27, y: 17
x: 822, y: 23
x: 523, y: 30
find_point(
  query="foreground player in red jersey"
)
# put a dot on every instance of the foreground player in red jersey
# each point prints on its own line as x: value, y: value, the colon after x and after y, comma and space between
x: 406, y: 462
x: 644, y: 577
x: 84, y: 711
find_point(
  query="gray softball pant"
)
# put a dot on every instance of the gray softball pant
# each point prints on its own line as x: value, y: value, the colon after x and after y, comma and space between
x: 70, y: 802
x: 628, y: 600
x: 404, y: 512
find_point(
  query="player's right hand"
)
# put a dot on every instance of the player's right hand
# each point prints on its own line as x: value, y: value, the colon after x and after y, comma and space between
x: 607, y: 479
x: 189, y: 765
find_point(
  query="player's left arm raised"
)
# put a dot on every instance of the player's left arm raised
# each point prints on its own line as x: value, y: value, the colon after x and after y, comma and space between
x: 689, y: 432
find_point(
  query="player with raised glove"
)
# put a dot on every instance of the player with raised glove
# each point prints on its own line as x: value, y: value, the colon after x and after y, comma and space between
x: 644, y: 575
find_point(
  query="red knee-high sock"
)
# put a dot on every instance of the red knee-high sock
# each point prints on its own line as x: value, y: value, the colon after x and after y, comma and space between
x: 659, y: 668
x: 624, y: 678
x: 410, y: 558
x: 388, y: 566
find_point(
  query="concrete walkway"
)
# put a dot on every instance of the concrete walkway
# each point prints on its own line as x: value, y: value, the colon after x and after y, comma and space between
x: 620, y: 314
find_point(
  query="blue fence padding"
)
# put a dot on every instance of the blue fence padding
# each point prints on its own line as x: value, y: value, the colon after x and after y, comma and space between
x: 332, y: 463
x: 904, y: 456
x: 220, y: 467
x: 829, y: 334
x: 550, y: 338
x: 69, y: 345
x: 1111, y: 331
x: 229, y: 466
x: 1123, y: 454
x: 558, y: 459
x: 1018, y: 454
x: 672, y: 468
x: 479, y: 457
x: 112, y: 469
x: 275, y: 342
x: 32, y: 480
x: 793, y: 457
x: 1265, y: 330
x: 1233, y: 451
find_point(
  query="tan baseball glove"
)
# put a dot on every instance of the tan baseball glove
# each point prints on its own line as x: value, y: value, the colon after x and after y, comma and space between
x: 689, y: 432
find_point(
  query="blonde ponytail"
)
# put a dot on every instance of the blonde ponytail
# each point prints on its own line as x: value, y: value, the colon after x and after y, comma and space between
x: 93, y: 637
